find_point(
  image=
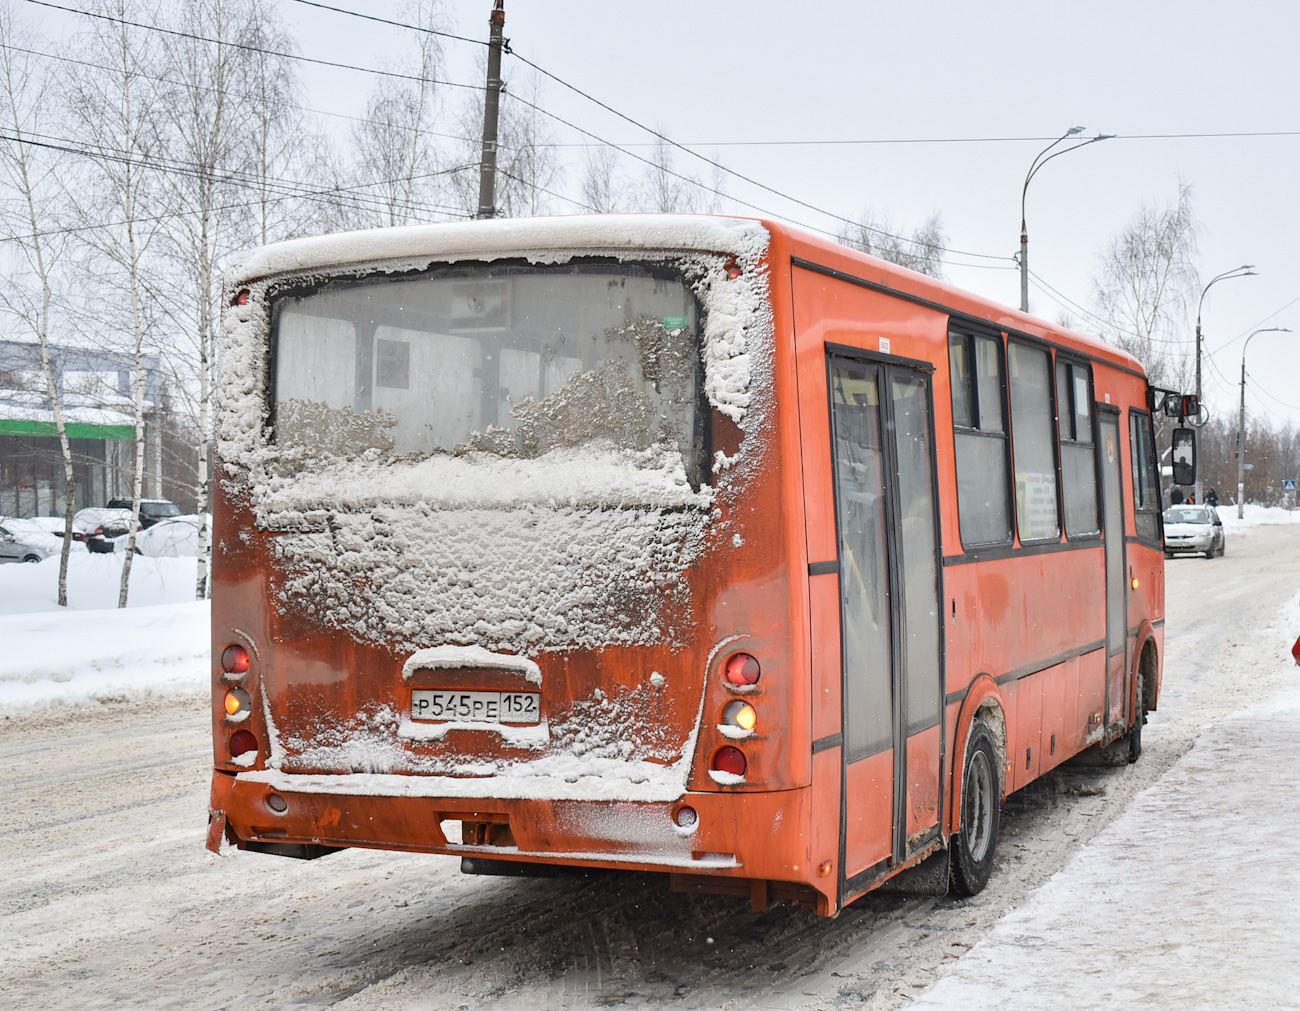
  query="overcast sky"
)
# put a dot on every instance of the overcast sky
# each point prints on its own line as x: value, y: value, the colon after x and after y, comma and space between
x: 727, y: 77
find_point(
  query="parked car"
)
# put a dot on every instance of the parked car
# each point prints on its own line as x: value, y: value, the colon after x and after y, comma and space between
x: 20, y: 543
x: 174, y: 538
x: 151, y: 509
x: 1193, y: 529
x: 100, y: 526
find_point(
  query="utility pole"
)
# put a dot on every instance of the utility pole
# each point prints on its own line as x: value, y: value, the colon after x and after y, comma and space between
x: 487, y: 178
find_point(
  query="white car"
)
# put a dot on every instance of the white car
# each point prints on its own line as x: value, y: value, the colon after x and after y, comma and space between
x: 23, y: 541
x: 1193, y: 529
x: 177, y: 537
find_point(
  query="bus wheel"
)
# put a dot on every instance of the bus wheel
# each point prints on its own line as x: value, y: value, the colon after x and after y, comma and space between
x: 973, y: 846
x: 1135, y: 735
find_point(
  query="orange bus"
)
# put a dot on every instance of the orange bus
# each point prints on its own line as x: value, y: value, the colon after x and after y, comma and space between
x: 683, y: 544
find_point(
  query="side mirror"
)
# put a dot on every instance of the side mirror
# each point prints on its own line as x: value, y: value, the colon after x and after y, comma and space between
x: 1184, y: 456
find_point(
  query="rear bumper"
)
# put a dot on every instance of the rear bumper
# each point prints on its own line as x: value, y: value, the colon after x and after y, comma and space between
x: 744, y: 835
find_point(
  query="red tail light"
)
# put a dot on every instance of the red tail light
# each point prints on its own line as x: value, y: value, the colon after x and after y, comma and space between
x: 234, y: 660
x: 730, y: 760
x: 99, y: 532
x: 743, y: 670
x: 243, y: 741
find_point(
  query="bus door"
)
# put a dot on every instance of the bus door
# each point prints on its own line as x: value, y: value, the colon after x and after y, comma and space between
x: 1116, y: 584
x: 887, y: 537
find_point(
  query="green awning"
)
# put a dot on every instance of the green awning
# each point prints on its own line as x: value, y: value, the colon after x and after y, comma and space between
x: 76, y: 429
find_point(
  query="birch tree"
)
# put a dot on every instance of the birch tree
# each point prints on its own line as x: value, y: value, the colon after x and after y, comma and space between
x: 1146, y: 284
x: 397, y: 165
x: 113, y: 109
x: 876, y: 235
x: 31, y: 175
x: 205, y: 131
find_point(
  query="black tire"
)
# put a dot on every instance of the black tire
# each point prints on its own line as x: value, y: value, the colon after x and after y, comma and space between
x: 32, y: 558
x: 1134, y: 736
x: 974, y: 845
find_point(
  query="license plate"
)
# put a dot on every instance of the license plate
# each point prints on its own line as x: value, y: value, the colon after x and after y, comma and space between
x: 476, y: 707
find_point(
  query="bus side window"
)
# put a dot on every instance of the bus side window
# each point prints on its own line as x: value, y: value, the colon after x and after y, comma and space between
x: 1146, y: 489
x: 1032, y: 444
x: 1078, y: 449
x: 980, y: 437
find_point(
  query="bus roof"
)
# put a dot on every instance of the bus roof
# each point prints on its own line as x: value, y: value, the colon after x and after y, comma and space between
x: 923, y: 288
x: 543, y: 239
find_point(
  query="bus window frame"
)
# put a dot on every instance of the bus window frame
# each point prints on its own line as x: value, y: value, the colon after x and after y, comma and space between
x: 1054, y: 414
x: 1158, y: 541
x: 969, y: 333
x: 1078, y: 361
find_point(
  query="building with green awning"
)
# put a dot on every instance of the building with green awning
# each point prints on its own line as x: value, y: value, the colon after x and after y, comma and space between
x: 95, y: 391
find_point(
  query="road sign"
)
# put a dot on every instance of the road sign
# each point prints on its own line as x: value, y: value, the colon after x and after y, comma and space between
x: 1289, y: 484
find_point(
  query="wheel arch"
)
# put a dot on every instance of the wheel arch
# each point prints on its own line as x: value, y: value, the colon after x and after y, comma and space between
x: 1146, y: 660
x: 983, y: 701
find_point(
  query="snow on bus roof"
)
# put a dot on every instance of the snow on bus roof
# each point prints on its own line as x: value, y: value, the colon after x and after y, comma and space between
x: 502, y: 237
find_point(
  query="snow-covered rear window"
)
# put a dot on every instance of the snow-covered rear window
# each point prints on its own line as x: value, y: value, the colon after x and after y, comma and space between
x: 511, y: 360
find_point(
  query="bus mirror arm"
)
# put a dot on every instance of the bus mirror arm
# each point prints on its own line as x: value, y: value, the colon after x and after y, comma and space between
x: 1172, y: 404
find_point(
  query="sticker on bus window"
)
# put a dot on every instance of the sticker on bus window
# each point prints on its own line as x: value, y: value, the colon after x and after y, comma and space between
x: 884, y: 345
x: 1110, y: 447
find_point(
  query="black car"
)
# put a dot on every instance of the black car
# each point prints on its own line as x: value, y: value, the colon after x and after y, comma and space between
x: 151, y: 509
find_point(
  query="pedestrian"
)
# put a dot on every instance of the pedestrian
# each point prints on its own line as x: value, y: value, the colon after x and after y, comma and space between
x: 1212, y: 498
x: 1176, y: 496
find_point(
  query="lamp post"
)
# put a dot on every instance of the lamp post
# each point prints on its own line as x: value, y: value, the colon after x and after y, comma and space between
x: 1241, y: 421
x: 1038, y: 163
x: 1245, y: 270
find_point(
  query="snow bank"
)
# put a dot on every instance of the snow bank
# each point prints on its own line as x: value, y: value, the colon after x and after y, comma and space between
x: 93, y: 581
x: 1255, y: 516
x: 92, y: 649
x: 1187, y: 900
x: 83, y: 656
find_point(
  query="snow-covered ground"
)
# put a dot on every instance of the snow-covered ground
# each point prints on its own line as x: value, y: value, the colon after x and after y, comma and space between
x: 1190, y: 899
x: 1255, y: 516
x: 92, y: 650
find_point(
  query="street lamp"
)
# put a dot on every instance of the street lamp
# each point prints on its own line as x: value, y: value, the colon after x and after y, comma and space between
x: 1245, y: 270
x: 1241, y: 421
x: 1038, y: 163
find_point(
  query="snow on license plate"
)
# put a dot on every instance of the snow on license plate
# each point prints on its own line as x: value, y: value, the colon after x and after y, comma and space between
x: 476, y: 707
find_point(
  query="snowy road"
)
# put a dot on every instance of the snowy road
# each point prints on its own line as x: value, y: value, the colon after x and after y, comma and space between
x: 109, y: 898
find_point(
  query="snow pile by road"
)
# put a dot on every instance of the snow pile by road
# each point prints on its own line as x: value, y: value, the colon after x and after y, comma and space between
x: 92, y: 650
x: 93, y: 581
x: 1256, y: 516
x: 1186, y: 900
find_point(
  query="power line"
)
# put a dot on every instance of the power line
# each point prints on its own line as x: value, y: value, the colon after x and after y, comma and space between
x: 882, y: 141
x: 395, y: 24
x: 252, y: 49
x: 1256, y: 388
x: 347, y: 196
x: 668, y: 140
x: 744, y: 178
x: 194, y: 86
